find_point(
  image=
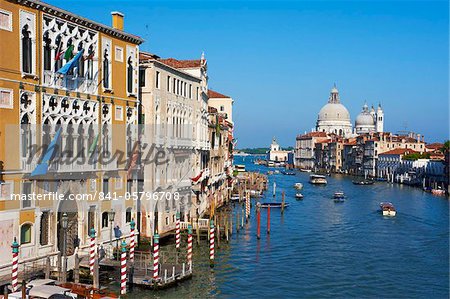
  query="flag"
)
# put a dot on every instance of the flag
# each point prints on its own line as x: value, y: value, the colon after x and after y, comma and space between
x: 59, y: 52
x: 42, y: 168
x: 69, y: 53
x: 93, y: 146
x: 195, y: 179
x: 58, y: 55
x: 89, y: 57
x: 71, y: 64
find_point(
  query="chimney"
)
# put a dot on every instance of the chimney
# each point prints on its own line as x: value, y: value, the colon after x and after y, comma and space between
x: 117, y: 20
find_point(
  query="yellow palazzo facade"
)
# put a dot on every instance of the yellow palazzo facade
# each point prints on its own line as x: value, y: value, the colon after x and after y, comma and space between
x: 95, y: 105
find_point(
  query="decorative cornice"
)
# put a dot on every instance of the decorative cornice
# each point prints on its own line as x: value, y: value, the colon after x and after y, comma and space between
x: 50, y: 9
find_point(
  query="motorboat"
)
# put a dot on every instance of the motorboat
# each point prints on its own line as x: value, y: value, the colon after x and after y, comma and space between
x: 298, y: 186
x: 305, y: 170
x: 234, y: 197
x: 240, y: 167
x: 87, y: 291
x: 316, y: 179
x: 288, y: 173
x: 339, y: 196
x: 299, y: 196
x: 439, y: 191
x: 388, y: 209
x: 51, y: 289
x: 363, y: 182
x: 255, y: 193
x: 45, y: 291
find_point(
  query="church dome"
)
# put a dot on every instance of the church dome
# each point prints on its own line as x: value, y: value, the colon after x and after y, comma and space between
x: 364, y: 119
x: 334, y: 117
x: 334, y: 111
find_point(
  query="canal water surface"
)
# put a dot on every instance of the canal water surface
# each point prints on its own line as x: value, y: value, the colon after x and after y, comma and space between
x: 321, y: 249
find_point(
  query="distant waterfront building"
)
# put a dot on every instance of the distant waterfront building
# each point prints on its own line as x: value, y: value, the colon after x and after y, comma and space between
x: 276, y: 154
x: 304, y: 148
x: 392, y: 164
x: 369, y: 121
x: 334, y: 117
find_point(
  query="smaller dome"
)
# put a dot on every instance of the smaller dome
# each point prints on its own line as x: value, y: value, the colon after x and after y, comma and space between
x: 364, y: 119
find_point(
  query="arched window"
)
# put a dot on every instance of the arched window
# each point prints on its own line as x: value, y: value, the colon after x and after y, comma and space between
x: 104, y: 219
x: 25, y: 233
x: 130, y: 75
x: 105, y: 69
x: 128, y: 215
x: 47, y: 52
x: 26, y: 50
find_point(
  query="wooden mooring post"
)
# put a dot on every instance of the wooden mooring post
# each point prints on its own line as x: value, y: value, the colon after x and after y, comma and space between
x: 76, y: 270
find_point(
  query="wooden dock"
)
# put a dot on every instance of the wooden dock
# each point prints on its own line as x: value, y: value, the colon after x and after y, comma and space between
x: 169, y: 274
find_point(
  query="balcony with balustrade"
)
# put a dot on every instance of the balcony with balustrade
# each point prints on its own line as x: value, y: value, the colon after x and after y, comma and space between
x: 70, y: 82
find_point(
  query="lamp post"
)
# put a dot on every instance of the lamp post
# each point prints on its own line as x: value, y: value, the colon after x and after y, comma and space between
x: 64, y: 226
x: 111, y: 215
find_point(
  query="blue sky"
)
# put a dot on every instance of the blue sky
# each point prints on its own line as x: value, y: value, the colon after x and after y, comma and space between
x: 279, y: 60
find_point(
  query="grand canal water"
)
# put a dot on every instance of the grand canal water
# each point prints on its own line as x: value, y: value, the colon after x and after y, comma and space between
x: 320, y: 249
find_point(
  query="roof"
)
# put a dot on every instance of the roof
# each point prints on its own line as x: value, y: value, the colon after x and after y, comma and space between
x: 64, y: 14
x: 399, y: 151
x: 435, y: 146
x: 312, y: 134
x: 147, y: 56
x: 214, y: 94
x: 352, y: 142
x: 182, y: 64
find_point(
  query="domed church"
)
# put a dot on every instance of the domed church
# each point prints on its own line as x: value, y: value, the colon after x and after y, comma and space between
x: 334, y: 117
x: 369, y: 121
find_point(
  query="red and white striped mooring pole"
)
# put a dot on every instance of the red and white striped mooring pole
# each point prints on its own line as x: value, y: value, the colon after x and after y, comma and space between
x: 247, y: 205
x: 123, y: 269
x: 15, y: 265
x: 177, y: 232
x: 133, y: 234
x: 211, y: 244
x: 156, y: 257
x: 92, y: 251
x: 189, y: 247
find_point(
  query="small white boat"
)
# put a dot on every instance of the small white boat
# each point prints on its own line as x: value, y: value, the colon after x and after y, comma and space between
x: 388, y: 209
x: 298, y: 186
x: 255, y: 193
x: 239, y: 167
x: 234, y: 197
x: 438, y: 192
x: 316, y: 179
x: 339, y: 196
x: 299, y: 196
x: 305, y: 170
x: 45, y: 291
